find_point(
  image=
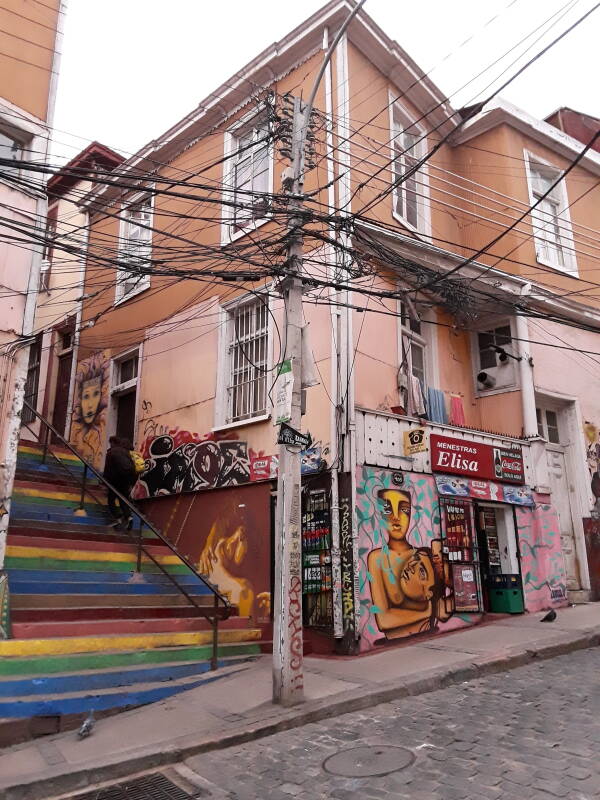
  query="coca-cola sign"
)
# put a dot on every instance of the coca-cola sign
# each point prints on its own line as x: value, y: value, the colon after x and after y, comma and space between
x: 476, y: 459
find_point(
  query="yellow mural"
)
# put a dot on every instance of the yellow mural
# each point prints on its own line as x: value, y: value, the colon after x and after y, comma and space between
x: 222, y: 559
x: 409, y: 585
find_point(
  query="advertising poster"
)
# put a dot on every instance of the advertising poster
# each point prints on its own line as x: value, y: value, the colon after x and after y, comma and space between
x: 465, y: 587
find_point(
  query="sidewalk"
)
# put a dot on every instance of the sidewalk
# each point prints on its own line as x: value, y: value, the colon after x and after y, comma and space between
x: 238, y: 707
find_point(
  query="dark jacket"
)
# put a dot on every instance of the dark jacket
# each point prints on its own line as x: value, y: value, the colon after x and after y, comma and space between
x: 118, y: 467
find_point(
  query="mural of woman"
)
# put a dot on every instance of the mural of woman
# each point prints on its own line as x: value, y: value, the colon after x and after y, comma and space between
x: 222, y: 560
x: 409, y: 585
x: 91, y: 400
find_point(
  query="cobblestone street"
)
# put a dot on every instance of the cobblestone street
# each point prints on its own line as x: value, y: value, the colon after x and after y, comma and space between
x: 529, y: 733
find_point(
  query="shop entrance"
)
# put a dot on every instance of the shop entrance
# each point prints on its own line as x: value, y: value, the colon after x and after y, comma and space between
x: 499, y: 558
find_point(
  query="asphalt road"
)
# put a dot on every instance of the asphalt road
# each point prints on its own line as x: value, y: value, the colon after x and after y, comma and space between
x: 529, y: 734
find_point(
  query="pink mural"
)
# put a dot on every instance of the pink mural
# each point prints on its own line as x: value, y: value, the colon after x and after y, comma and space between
x: 404, y: 579
x: 542, y: 562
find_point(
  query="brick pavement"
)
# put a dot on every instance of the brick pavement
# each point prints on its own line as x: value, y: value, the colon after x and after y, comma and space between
x: 529, y: 734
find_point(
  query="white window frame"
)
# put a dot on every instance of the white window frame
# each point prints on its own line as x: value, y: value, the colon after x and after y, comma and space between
x: 223, y: 417
x: 399, y: 116
x: 27, y: 131
x: 251, y: 121
x: 425, y: 340
x: 493, y: 325
x: 565, y: 232
x: 542, y: 407
x: 117, y: 389
x: 143, y: 283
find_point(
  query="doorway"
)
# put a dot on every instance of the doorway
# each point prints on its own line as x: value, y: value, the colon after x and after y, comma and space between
x: 552, y: 419
x: 63, y: 380
x: 499, y: 558
x: 561, y: 500
x: 123, y: 401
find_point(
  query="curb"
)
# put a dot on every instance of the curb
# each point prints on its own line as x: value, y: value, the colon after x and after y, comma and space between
x: 55, y: 781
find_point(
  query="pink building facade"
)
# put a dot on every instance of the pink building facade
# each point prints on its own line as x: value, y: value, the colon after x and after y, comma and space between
x: 455, y: 442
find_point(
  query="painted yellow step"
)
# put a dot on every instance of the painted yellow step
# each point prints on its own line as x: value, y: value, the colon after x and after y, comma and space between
x: 52, y: 494
x: 95, y: 644
x: 37, y: 450
x: 18, y: 551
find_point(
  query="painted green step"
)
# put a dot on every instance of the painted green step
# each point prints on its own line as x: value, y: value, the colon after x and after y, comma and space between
x: 51, y: 665
x: 56, y: 502
x: 14, y: 562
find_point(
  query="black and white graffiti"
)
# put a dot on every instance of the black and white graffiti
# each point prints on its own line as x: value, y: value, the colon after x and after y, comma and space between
x: 191, y: 466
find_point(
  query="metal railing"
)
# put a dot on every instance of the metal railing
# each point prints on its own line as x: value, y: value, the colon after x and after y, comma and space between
x: 221, y: 607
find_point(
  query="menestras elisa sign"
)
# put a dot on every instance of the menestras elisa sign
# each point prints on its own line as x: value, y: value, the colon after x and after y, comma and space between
x: 476, y: 459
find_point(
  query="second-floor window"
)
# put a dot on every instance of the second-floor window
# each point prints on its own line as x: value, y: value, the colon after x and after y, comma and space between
x: 408, y: 147
x: 247, y: 177
x: 10, y: 150
x: 414, y: 347
x: 551, y: 227
x: 247, y: 360
x: 491, y: 344
x: 135, y: 248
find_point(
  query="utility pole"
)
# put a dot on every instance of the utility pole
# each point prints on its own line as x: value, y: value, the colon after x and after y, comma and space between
x: 288, y: 660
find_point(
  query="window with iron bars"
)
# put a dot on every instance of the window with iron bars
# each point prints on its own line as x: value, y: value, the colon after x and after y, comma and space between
x: 248, y: 348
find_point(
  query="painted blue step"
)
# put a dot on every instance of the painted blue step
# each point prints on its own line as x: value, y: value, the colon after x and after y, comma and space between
x: 49, y: 576
x: 38, y: 587
x: 23, y: 511
x: 89, y: 681
x: 131, y: 696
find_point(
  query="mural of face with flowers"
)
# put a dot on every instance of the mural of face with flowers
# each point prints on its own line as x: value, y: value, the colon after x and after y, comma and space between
x: 405, y: 585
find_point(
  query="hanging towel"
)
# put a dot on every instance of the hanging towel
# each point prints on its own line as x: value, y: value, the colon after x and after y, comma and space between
x: 437, y: 406
x: 416, y: 400
x: 457, y: 412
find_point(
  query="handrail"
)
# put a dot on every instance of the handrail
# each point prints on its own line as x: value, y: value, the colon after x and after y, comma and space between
x: 124, y: 501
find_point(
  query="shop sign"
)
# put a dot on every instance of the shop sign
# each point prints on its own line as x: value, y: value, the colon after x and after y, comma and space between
x: 263, y: 467
x: 415, y: 441
x: 455, y: 486
x: 476, y: 459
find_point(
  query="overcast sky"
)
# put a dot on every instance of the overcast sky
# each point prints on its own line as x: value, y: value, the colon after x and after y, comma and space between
x: 132, y: 68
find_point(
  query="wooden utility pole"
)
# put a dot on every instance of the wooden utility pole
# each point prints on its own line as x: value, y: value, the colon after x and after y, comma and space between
x: 288, y: 672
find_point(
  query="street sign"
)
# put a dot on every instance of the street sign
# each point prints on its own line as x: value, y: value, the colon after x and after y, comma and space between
x: 292, y: 438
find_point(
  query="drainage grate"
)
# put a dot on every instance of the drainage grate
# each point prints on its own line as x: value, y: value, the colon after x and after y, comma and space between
x: 148, y: 787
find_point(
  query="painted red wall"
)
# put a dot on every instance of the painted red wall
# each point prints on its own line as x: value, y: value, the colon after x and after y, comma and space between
x: 226, y: 534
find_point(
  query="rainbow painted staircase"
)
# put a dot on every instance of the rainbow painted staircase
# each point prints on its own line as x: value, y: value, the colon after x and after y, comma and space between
x: 88, y: 631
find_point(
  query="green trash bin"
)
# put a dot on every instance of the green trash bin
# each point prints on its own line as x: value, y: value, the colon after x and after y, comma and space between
x: 506, y: 601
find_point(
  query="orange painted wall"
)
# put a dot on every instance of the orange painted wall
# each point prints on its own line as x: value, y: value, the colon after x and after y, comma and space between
x: 27, y: 40
x: 495, y: 161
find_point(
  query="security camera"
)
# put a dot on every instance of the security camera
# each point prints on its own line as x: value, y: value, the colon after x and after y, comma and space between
x: 486, y: 380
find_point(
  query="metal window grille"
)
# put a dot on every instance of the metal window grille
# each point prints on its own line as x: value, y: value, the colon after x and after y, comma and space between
x: 248, y: 355
x: 33, y: 379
